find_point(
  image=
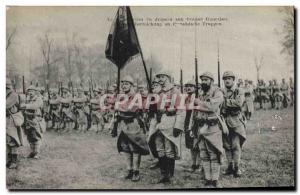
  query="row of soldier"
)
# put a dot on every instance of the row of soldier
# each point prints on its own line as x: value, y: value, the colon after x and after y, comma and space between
x: 214, y: 130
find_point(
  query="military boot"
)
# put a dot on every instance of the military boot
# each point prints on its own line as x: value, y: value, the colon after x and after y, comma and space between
x: 171, y: 166
x: 229, y: 169
x: 129, y: 174
x: 216, y: 184
x: 164, y: 171
x: 237, y: 172
x: 13, y: 164
x: 136, y: 176
x: 8, y: 160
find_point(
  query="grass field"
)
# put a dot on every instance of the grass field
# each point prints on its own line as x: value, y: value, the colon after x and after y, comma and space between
x: 91, y: 161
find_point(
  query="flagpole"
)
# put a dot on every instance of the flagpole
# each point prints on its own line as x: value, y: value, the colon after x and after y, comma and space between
x: 140, y: 50
x: 196, y: 62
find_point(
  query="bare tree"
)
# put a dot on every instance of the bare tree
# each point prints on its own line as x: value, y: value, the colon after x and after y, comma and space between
x: 49, y: 60
x: 258, y: 65
x: 9, y: 37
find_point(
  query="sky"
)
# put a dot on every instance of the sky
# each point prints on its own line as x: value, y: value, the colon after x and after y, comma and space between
x: 246, y: 32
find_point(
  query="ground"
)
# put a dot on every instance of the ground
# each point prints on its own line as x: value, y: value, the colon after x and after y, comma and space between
x: 91, y: 161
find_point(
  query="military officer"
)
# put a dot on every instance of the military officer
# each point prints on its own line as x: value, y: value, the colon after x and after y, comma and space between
x: 231, y: 110
x: 14, y: 120
x: 208, y: 136
x: 190, y: 88
x: 166, y: 129
x: 35, y: 124
x: 132, y: 140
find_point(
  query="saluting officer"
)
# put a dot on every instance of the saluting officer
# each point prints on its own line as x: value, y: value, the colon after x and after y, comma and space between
x: 231, y: 110
x: 208, y: 136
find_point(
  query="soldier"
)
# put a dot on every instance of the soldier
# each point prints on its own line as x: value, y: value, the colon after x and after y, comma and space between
x: 248, y: 106
x: 54, y: 107
x: 190, y: 88
x: 14, y: 120
x: 144, y: 119
x: 278, y: 97
x: 208, y: 136
x: 97, y: 113
x: 166, y: 128
x: 66, y: 115
x: 231, y: 110
x: 132, y: 140
x: 285, y: 90
x: 271, y: 94
x: 35, y: 124
x: 264, y: 97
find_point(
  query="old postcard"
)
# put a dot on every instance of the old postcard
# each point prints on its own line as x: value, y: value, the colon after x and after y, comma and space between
x: 150, y: 98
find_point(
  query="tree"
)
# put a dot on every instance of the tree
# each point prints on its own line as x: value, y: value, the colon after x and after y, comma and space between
x: 258, y: 65
x: 48, y: 56
x: 287, y: 33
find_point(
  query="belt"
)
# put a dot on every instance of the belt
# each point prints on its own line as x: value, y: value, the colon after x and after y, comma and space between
x: 127, y: 120
x: 209, y: 122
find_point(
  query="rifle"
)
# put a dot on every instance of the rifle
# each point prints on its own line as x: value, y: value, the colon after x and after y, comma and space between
x: 23, y: 84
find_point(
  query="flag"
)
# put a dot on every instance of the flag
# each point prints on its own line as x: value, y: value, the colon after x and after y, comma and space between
x: 122, y: 43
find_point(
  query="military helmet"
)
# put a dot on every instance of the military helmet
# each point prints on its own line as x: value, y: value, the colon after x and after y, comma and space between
x: 128, y: 79
x: 228, y: 74
x: 79, y: 89
x: 155, y: 80
x: 163, y: 73
x: 32, y: 87
x: 65, y: 88
x: 190, y: 82
x: 98, y: 89
x: 8, y: 83
x: 207, y: 74
x: 142, y: 86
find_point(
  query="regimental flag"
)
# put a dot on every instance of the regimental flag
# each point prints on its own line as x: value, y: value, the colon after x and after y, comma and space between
x: 122, y: 43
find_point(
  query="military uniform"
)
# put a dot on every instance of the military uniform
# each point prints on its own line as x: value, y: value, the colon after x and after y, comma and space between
x: 248, y: 106
x: 97, y: 114
x: 285, y: 90
x: 66, y: 114
x: 165, y: 134
x: 208, y: 136
x: 189, y: 140
x: 14, y: 120
x: 231, y: 110
x: 54, y: 107
x: 132, y: 139
x: 263, y: 95
x: 278, y: 97
x: 35, y: 124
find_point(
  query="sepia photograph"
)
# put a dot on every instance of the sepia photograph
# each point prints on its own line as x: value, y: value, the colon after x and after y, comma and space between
x: 150, y: 98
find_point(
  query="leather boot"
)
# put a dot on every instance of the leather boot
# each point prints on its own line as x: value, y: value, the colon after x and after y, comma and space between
x: 229, y: 169
x: 129, y: 174
x: 136, y: 176
x: 8, y: 160
x: 216, y: 184
x: 237, y: 172
x: 164, y: 171
x: 171, y: 166
x: 14, y: 159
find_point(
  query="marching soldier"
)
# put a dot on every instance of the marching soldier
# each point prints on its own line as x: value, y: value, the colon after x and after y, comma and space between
x: 166, y: 128
x: 208, y: 136
x: 14, y: 120
x: 264, y: 98
x: 35, y: 124
x: 248, y: 106
x: 190, y: 88
x: 231, y: 110
x: 132, y: 140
